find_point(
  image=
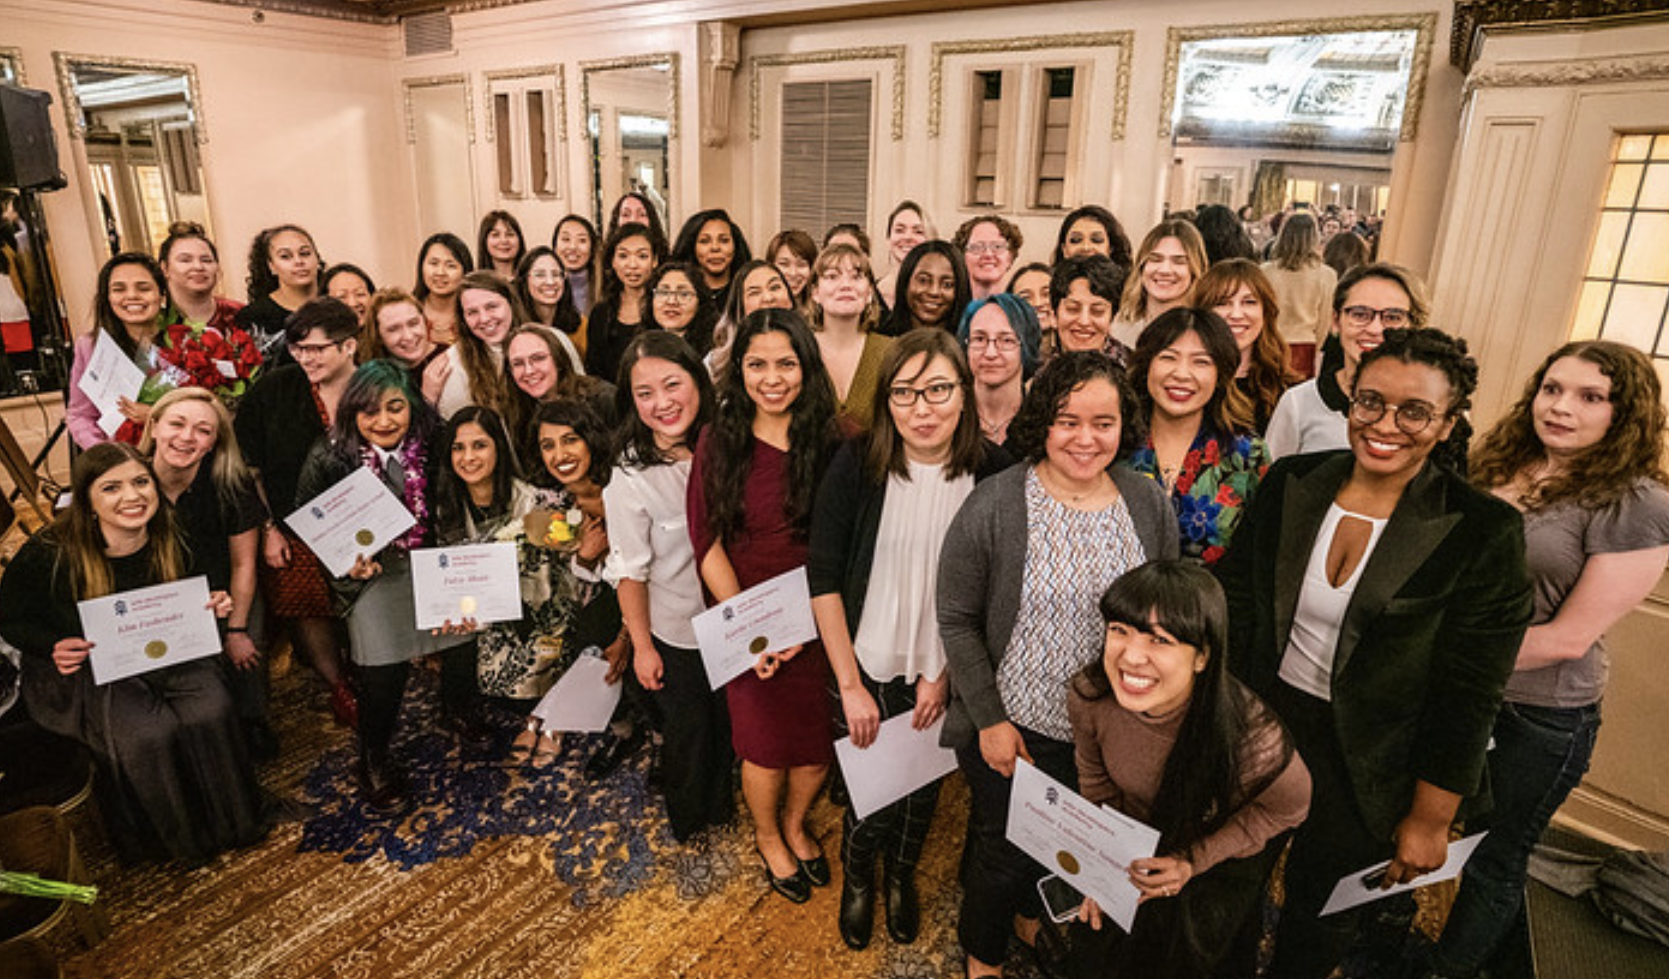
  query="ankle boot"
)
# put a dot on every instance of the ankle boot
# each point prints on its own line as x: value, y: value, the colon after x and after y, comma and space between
x: 903, y: 906
x: 857, y: 903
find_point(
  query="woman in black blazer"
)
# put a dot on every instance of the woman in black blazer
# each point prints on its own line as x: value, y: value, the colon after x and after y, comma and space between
x: 1383, y: 601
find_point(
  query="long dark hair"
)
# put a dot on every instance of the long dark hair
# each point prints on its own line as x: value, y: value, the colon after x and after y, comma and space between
x: 684, y: 249
x: 567, y: 316
x: 1118, y: 243
x: 577, y: 414
x: 611, y: 286
x: 104, y: 315
x: 452, y: 500
x: 1229, y: 412
x: 1447, y: 354
x: 699, y: 332
x: 811, y: 429
x: 637, y: 445
x: 451, y: 243
x: 593, y: 267
x: 1065, y: 373
x: 884, y: 455
x: 484, y: 259
x: 1230, y: 746
x: 901, y: 321
x: 655, y: 229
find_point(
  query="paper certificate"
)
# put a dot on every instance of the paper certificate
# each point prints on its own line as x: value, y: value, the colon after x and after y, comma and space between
x: 900, y: 761
x: 147, y: 629
x: 110, y: 376
x: 581, y: 701
x: 1089, y: 846
x: 356, y: 516
x: 1362, y: 886
x: 475, y: 581
x: 767, y: 618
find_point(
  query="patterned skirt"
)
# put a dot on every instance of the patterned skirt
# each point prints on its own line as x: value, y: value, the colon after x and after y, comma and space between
x: 300, y: 589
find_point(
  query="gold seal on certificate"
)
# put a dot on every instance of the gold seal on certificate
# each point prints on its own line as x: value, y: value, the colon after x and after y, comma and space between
x: 480, y: 582
x: 156, y: 649
x: 758, y: 645
x: 153, y: 628
x: 1068, y: 862
x: 467, y: 605
x: 364, y: 537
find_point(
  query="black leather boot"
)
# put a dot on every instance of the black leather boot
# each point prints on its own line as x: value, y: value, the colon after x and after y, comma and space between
x: 857, y: 904
x: 903, y: 906
x: 384, y: 784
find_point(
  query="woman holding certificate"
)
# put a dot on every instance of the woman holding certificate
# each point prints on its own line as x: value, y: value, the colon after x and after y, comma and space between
x: 882, y: 513
x: 1167, y: 737
x: 382, y: 425
x: 1023, y: 565
x: 128, y: 312
x: 175, y: 781
x: 750, y: 502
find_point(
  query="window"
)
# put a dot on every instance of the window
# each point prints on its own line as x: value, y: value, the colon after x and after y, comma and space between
x: 1057, y: 122
x: 985, y: 137
x: 524, y: 135
x: 825, y: 154
x: 1625, y: 290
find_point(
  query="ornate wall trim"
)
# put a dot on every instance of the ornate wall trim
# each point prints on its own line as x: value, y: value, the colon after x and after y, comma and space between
x: 894, y: 53
x: 1424, y: 24
x: 1473, y: 17
x: 15, y: 56
x: 327, y: 9
x: 1120, y: 41
x: 513, y: 74
x: 65, y: 64
x: 409, y: 85
x: 1599, y: 71
x: 668, y: 58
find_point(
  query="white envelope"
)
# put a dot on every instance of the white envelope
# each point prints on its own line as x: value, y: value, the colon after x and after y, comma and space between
x: 1352, y: 890
x: 581, y: 701
x: 900, y: 761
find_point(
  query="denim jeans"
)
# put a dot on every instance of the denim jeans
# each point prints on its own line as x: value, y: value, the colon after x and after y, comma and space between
x: 1540, y: 755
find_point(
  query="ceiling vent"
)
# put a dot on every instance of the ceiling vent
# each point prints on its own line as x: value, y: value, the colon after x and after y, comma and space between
x: 429, y: 33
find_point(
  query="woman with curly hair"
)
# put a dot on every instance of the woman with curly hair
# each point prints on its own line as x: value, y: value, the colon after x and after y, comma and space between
x: 990, y: 244
x: 1581, y: 455
x: 751, y: 491
x: 1023, y: 564
x: 1238, y: 291
x: 674, y: 303
x: 1199, y: 443
x: 284, y: 269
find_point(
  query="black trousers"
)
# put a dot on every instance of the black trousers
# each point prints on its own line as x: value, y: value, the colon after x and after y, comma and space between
x: 697, y: 765
x: 900, y: 830
x: 381, y: 689
x: 998, y: 880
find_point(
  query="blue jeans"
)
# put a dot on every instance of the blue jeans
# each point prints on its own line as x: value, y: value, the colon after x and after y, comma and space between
x: 1540, y: 755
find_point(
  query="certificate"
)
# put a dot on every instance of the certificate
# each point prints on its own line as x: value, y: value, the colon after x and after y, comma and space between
x: 475, y: 581
x: 1362, y: 886
x: 110, y: 376
x: 356, y: 516
x: 148, y: 629
x: 581, y: 701
x: 1089, y: 846
x: 900, y: 761
x: 767, y: 618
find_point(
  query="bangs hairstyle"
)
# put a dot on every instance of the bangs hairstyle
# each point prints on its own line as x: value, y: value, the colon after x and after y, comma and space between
x: 1444, y: 353
x: 76, y: 531
x: 1419, y: 309
x: 370, y: 381
x: 455, y: 246
x: 483, y: 259
x: 1022, y: 319
x: 371, y: 345
x: 797, y: 243
x: 452, y: 499
x: 566, y: 316
x: 1229, y: 412
x: 262, y: 280
x: 1631, y: 449
x: 1065, y: 373
x: 231, y: 474
x: 901, y: 320
x: 104, y: 314
x: 612, y: 286
x: 1118, y: 243
x: 1267, y: 374
x: 841, y: 256
x: 885, y: 453
x: 811, y: 428
x: 1134, y: 306
x: 593, y: 266
x: 1230, y: 746
x: 577, y: 414
x: 637, y: 442
x: 328, y: 314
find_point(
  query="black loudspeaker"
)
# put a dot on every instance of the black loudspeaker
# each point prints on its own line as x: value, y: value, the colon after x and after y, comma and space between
x: 28, y: 154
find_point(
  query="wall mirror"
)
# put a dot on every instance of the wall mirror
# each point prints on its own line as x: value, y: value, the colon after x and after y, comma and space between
x: 140, y: 124
x: 11, y: 66
x: 1296, y: 114
x: 631, y: 121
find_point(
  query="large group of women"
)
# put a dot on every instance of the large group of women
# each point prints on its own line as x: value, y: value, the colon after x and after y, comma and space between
x: 1205, y: 539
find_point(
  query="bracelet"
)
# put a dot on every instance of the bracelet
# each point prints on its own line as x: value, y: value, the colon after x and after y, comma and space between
x: 238, y: 628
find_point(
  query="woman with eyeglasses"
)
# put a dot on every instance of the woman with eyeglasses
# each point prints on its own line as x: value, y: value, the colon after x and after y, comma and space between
x: 542, y: 287
x: 675, y: 305
x: 1003, y: 341
x: 1581, y: 455
x: 882, y: 512
x: 1380, y: 601
x: 1370, y: 299
x: 989, y: 243
x: 844, y: 314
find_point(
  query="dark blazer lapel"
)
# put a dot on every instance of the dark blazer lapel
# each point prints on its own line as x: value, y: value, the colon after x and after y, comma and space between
x: 1417, y: 526
x: 1304, y: 507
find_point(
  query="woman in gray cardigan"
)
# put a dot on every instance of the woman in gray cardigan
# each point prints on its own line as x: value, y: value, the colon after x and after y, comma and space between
x: 1023, y: 565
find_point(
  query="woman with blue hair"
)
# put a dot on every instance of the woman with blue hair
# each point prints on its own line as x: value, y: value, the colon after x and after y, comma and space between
x: 1004, y: 343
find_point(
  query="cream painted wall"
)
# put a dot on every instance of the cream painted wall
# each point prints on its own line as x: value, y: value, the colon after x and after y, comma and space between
x: 299, y: 116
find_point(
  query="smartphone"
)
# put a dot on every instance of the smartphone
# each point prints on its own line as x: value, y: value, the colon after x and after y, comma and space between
x: 1061, y: 900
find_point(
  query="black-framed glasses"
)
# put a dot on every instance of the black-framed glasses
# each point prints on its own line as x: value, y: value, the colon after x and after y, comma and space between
x: 937, y: 393
x: 1411, y: 417
x: 1007, y: 343
x: 1359, y: 316
x: 679, y: 296
x: 300, y: 350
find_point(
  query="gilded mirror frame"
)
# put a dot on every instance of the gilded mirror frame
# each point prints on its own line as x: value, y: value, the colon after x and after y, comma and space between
x: 66, y: 64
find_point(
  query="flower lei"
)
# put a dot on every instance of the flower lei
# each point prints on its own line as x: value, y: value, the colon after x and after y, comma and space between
x: 199, y: 351
x: 415, y: 495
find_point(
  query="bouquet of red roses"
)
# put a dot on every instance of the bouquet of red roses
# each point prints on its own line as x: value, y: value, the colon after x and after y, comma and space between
x: 225, y: 361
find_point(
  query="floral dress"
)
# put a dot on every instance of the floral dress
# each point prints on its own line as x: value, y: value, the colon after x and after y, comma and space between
x: 1216, y: 481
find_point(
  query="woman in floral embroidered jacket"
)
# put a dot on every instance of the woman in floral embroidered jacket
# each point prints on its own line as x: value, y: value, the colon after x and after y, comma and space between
x: 1200, y: 444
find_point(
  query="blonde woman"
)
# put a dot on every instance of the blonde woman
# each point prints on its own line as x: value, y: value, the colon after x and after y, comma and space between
x: 1169, y: 263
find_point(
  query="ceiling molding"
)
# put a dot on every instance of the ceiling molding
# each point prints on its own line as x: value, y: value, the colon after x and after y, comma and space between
x: 1473, y: 17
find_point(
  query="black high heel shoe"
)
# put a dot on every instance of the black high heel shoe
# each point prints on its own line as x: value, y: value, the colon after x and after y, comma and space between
x: 795, y: 887
x: 816, y: 870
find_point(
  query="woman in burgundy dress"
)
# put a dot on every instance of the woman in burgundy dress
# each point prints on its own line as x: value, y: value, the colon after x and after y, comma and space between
x: 750, y: 501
